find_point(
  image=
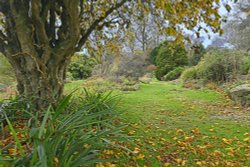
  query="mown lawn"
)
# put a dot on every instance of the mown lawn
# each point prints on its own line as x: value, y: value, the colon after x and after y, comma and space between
x: 177, y: 126
x: 169, y: 125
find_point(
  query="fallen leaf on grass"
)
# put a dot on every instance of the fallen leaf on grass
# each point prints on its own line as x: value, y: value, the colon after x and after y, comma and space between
x: 140, y: 157
x: 196, y: 131
x: 136, y: 150
x: 247, y: 140
x: 226, y: 141
x: 166, y: 164
x: 181, y: 161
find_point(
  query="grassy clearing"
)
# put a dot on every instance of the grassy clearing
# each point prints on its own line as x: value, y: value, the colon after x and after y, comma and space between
x: 173, y: 126
x: 178, y: 126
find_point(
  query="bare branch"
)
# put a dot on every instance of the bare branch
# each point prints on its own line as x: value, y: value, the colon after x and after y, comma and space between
x: 108, y: 23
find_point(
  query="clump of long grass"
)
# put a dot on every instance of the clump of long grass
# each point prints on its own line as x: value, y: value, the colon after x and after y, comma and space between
x: 64, y: 137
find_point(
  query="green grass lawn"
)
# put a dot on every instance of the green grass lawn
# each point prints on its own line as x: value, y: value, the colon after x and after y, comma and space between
x: 170, y: 125
x: 173, y: 126
x: 177, y: 126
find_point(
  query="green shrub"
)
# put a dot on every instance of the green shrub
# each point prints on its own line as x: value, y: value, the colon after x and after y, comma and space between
x: 245, y: 66
x: 153, y: 54
x: 174, y: 74
x: 69, y: 76
x: 169, y: 57
x: 217, y: 66
x: 189, y: 74
x: 81, y: 67
x: 64, y: 137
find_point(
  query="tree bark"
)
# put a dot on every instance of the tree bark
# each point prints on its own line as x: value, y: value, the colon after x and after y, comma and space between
x: 42, y: 86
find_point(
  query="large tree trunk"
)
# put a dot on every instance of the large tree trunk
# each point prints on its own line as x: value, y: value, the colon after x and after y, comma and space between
x: 43, y: 88
x: 42, y: 85
x: 38, y: 38
x: 38, y: 56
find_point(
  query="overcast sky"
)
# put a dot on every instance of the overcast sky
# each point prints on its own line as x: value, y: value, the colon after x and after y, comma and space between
x: 224, y: 13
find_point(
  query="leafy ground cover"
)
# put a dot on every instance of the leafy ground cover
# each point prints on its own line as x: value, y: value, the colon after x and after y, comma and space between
x: 169, y: 125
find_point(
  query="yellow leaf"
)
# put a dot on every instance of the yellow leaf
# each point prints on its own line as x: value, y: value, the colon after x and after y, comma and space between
x: 162, y: 139
x: 175, y: 138
x: 211, y: 164
x: 179, y: 131
x: 140, y: 156
x: 201, y: 147
x: 217, y: 153
x: 109, y: 164
x: 226, y: 141
x: 189, y: 138
x: 136, y: 150
x: 198, y: 163
x: 201, y: 163
x: 166, y: 164
x: 181, y: 143
x: 204, y: 137
x: 247, y: 140
x: 100, y: 165
x: 86, y: 145
x: 178, y: 160
x: 196, y: 131
x: 158, y: 158
x: 56, y: 161
x: 108, y: 152
x: 12, y: 151
x: 151, y: 142
x: 131, y: 132
x: 248, y: 12
x: 230, y: 149
x: 228, y: 163
x: 181, y: 161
